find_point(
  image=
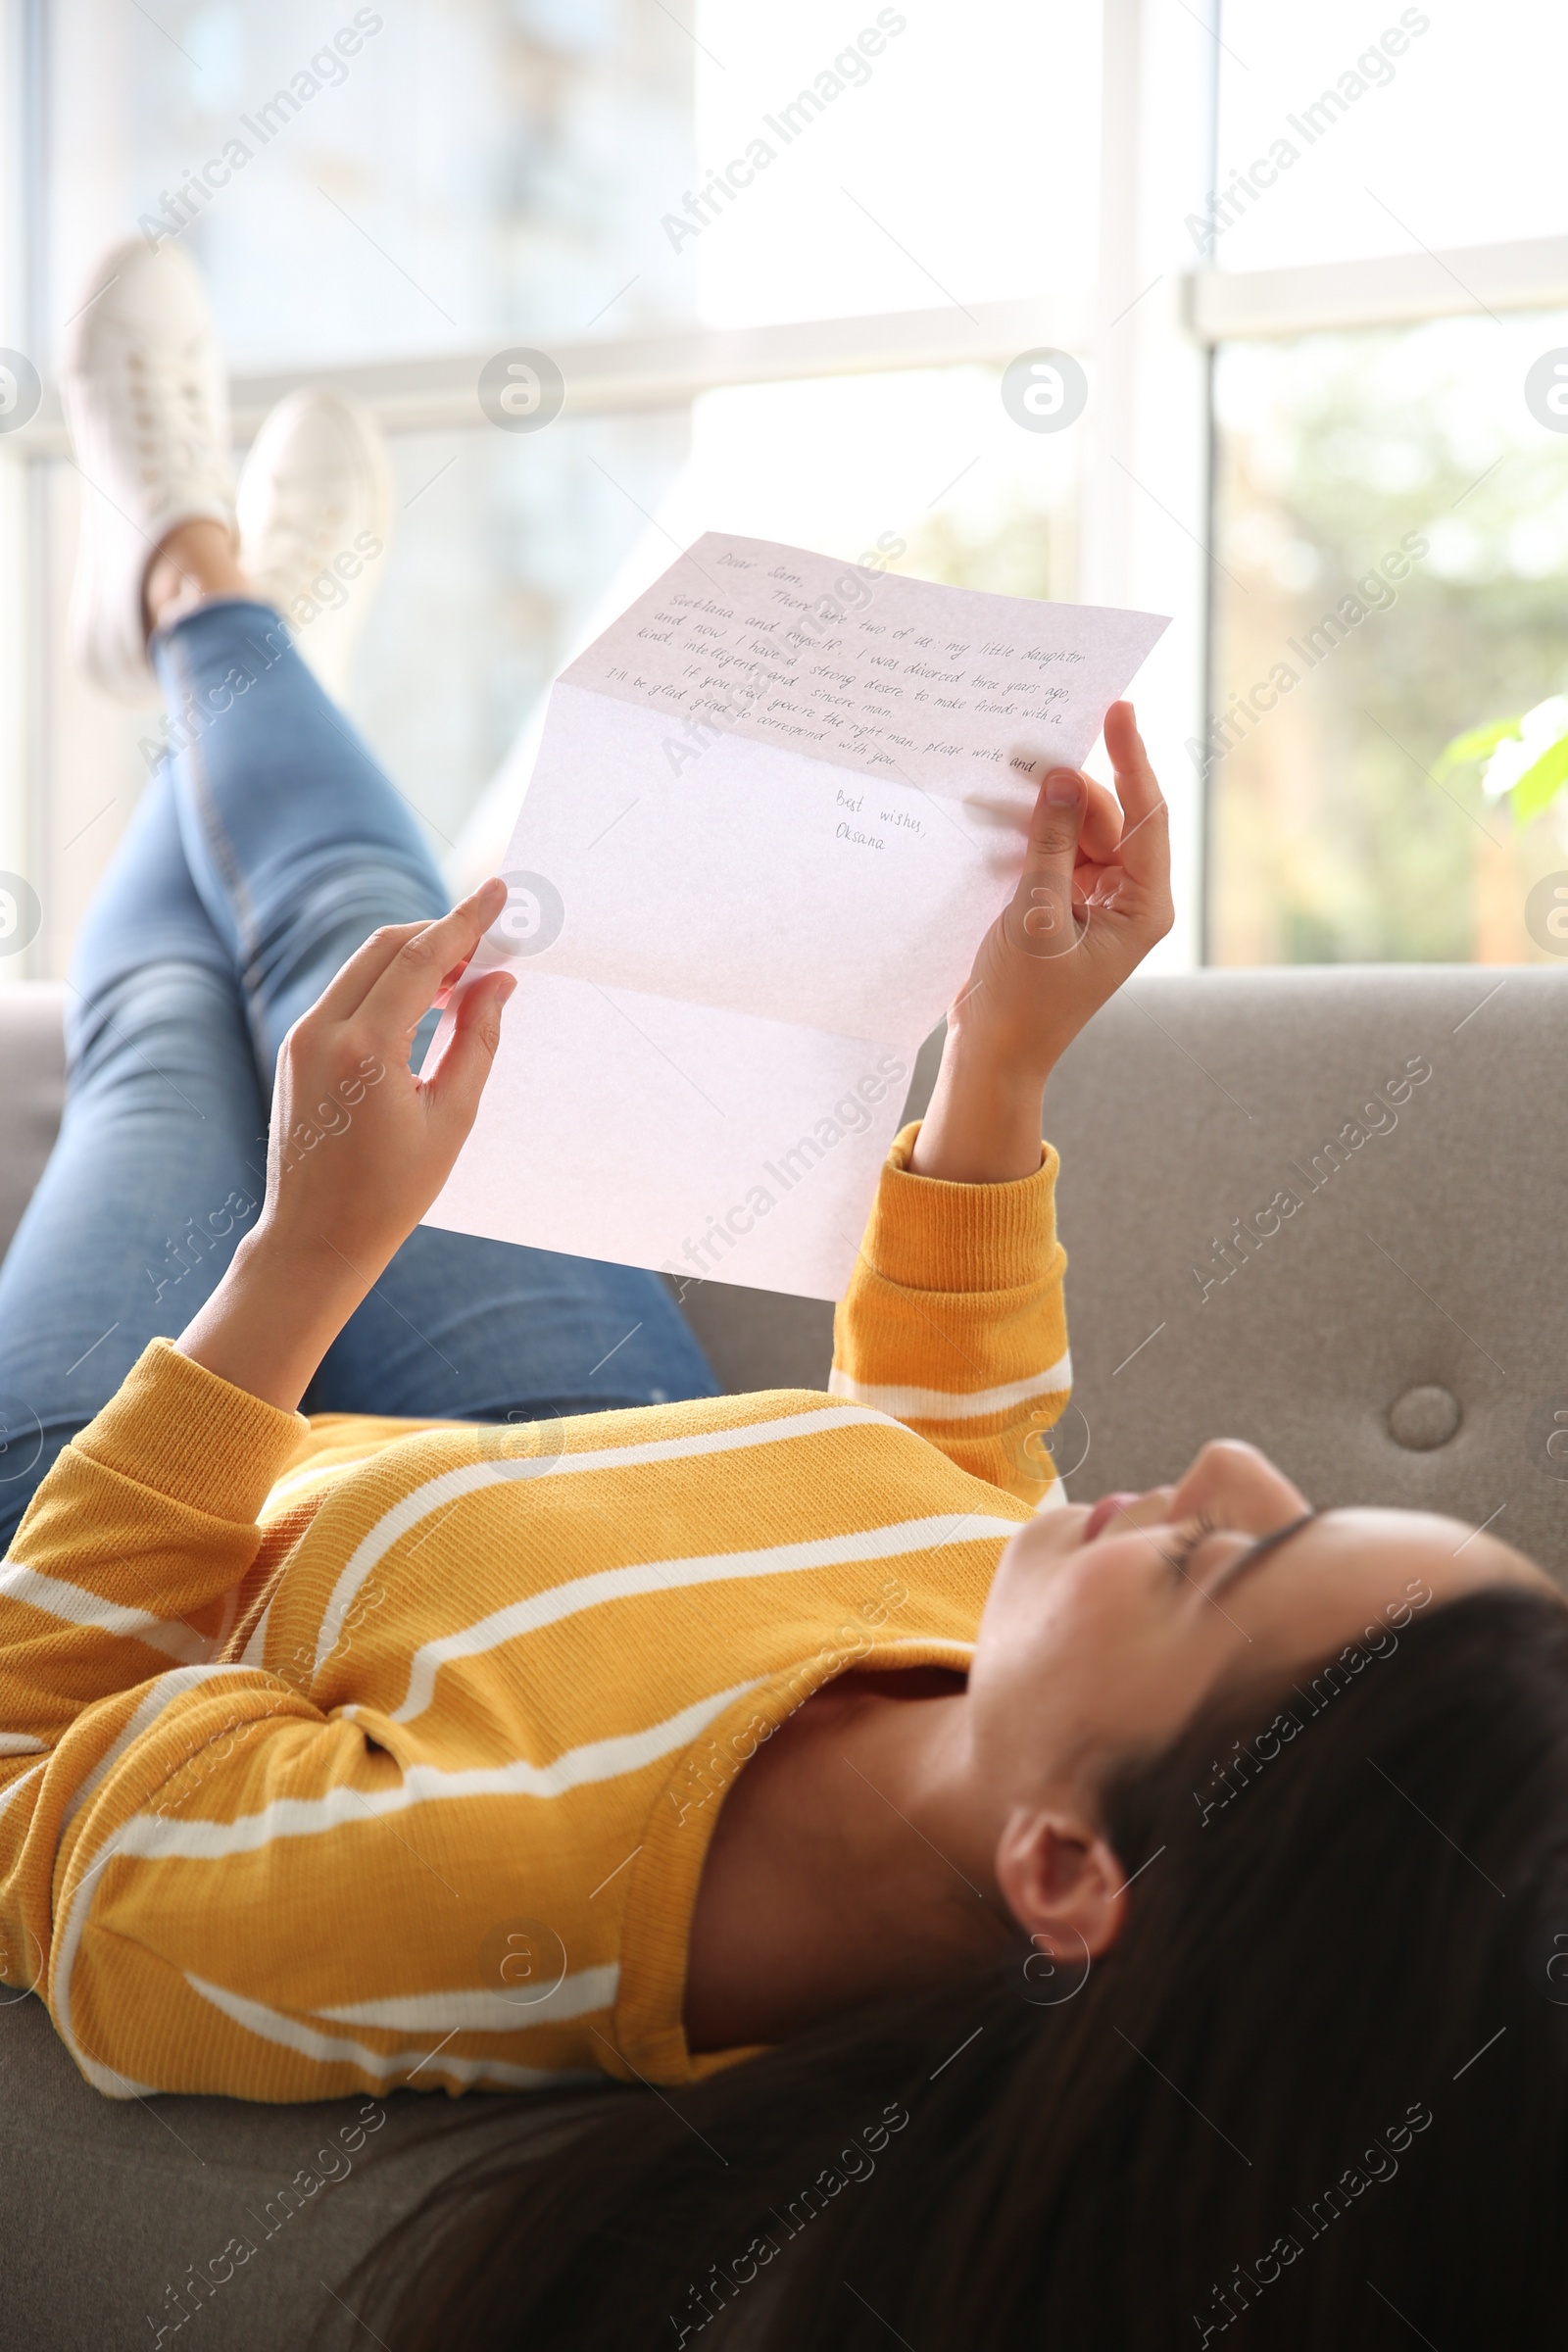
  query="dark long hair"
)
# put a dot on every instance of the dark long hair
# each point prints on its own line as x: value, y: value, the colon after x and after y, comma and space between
x: 1317, y: 2095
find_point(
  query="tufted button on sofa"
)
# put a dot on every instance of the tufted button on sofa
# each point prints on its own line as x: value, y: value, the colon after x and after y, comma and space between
x: 1424, y: 1417
x: 1323, y: 1210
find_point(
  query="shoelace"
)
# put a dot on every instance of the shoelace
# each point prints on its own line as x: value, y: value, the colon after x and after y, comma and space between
x: 300, y: 539
x: 173, y: 420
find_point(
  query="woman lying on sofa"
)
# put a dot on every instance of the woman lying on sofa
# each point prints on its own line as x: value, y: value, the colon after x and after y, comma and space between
x: 1127, y: 1916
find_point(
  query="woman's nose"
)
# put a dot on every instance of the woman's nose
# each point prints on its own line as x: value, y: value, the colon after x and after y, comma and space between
x: 1233, y: 1483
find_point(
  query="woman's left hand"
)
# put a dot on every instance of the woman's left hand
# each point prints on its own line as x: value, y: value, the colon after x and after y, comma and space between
x: 1092, y: 901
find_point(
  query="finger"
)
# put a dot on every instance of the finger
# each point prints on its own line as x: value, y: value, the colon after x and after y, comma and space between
x: 411, y: 980
x: 449, y: 981
x: 352, y: 984
x: 459, y: 1078
x: 1137, y: 787
x: 1144, y: 852
x: 1040, y: 917
x: 1103, y: 824
x: 354, y: 980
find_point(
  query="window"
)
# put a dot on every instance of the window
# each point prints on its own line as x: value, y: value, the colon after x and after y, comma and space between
x: 783, y: 260
x: 1390, y: 514
x: 1392, y: 548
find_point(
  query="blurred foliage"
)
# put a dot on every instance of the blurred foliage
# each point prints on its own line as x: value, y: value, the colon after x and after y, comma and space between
x: 1334, y: 834
x: 1524, y: 758
x: 1014, y: 555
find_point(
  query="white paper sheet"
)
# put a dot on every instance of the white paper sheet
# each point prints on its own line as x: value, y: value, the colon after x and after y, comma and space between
x: 775, y: 807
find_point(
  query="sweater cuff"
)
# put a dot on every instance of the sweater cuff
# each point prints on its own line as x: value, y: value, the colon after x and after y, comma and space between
x: 926, y: 1234
x: 178, y: 1428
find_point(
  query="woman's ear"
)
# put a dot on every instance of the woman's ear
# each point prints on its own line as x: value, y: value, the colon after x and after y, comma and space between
x: 1062, y: 1883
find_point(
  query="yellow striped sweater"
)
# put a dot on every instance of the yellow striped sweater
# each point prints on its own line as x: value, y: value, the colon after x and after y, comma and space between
x: 348, y: 1754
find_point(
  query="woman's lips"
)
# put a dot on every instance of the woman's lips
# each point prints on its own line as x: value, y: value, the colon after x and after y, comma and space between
x: 1103, y: 1511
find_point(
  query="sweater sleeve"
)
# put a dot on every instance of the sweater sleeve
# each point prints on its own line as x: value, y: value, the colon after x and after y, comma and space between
x: 953, y: 1320
x: 115, y: 1598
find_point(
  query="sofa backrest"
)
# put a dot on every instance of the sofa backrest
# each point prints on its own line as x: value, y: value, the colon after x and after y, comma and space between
x: 32, y: 1077
x: 1272, y: 1236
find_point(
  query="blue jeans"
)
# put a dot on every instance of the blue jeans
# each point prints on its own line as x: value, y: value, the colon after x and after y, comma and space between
x: 263, y: 852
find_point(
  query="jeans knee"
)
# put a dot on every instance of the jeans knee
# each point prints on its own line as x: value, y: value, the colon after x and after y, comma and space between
x: 163, y: 1025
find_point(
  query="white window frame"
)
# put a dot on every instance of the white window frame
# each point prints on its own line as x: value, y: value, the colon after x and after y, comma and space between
x: 1401, y: 289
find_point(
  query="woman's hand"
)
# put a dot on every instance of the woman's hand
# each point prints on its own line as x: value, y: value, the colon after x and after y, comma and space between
x: 1092, y: 901
x: 358, y: 1147
x: 358, y: 1150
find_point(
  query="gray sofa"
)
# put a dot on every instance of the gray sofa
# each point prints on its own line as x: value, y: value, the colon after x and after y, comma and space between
x: 1323, y: 1209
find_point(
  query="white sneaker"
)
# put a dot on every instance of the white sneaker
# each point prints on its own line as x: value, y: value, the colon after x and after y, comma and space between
x: 315, y: 508
x: 147, y: 403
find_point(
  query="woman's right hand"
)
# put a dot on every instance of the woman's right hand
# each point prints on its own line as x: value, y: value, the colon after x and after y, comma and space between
x: 358, y: 1148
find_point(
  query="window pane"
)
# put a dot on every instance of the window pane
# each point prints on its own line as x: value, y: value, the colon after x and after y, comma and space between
x: 526, y: 167
x: 380, y: 180
x: 1387, y: 127
x: 1342, y: 458
x: 956, y: 161
x: 506, y: 544
x: 929, y: 459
